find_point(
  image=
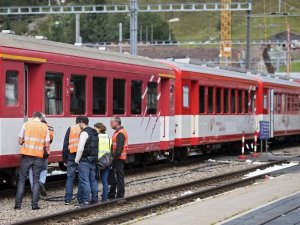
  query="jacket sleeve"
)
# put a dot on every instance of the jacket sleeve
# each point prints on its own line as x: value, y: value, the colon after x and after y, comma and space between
x: 120, y: 145
x: 66, y: 146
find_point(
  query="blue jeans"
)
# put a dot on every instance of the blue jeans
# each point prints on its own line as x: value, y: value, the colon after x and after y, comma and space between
x: 26, y: 163
x: 87, y: 182
x: 43, y: 174
x: 104, y: 179
x: 71, y: 173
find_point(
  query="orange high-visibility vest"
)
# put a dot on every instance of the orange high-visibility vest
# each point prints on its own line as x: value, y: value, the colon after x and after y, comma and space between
x: 34, y: 139
x: 74, y: 138
x: 123, y: 155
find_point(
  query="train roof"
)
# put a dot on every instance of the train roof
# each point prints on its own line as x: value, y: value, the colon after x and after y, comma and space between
x: 276, y: 80
x: 210, y: 70
x: 33, y: 44
x: 265, y: 78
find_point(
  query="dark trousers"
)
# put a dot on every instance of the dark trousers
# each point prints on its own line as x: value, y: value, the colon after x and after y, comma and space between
x: 36, y: 163
x: 119, y: 185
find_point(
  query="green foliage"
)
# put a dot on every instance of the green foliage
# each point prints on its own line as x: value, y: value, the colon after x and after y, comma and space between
x: 191, y: 26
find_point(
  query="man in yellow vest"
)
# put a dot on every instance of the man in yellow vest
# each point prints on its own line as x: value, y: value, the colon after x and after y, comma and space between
x: 119, y: 150
x: 34, y: 138
x: 69, y: 153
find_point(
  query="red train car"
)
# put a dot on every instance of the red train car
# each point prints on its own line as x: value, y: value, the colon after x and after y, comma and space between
x: 213, y: 107
x: 65, y: 81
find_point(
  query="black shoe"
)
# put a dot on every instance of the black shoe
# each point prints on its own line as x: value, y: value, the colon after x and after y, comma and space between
x: 17, y: 207
x: 36, y: 207
x: 43, y: 190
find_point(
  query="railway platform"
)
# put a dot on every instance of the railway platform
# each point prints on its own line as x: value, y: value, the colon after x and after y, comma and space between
x: 272, y: 198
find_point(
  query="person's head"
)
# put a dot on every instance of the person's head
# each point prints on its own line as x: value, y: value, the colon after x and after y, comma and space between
x: 78, y: 118
x: 100, y: 128
x: 83, y: 122
x: 115, y: 122
x: 37, y: 115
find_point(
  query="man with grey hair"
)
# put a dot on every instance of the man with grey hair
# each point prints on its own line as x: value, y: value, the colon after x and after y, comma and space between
x: 44, y: 170
x: 119, y: 151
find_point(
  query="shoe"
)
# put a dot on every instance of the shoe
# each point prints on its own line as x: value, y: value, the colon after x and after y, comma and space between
x: 43, y: 190
x: 81, y: 205
x: 36, y: 207
x: 17, y: 207
x: 67, y: 203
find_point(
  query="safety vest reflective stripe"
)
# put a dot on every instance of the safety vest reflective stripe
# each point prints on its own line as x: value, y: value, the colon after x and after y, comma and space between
x: 104, y: 144
x: 74, y: 138
x: 34, y: 139
x: 123, y: 155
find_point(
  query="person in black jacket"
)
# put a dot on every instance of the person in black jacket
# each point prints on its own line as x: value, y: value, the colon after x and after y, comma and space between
x: 86, y: 158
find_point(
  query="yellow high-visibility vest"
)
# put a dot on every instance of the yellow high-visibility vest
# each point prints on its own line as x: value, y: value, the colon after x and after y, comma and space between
x: 104, y: 144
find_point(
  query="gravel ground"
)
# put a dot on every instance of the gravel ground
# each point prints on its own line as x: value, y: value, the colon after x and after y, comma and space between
x: 137, y: 183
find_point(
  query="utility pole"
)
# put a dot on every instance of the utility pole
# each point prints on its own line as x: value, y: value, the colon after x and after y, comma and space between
x: 133, y: 26
x: 120, y: 37
x: 288, y: 56
x: 77, y: 29
x: 248, y: 36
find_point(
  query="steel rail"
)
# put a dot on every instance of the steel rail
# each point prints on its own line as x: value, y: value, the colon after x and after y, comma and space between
x: 77, y: 212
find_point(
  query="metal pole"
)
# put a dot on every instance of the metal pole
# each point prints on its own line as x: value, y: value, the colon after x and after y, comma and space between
x: 147, y: 34
x: 248, y: 36
x: 133, y: 26
x: 170, y: 32
x: 120, y: 37
x: 141, y: 33
x: 279, y: 6
x: 151, y: 33
x: 77, y: 29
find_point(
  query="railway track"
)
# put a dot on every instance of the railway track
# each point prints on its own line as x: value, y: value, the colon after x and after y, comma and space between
x: 142, y: 204
x: 57, y: 181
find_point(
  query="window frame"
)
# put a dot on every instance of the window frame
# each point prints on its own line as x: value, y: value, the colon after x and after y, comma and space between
x: 131, y: 100
x: 61, y: 74
x: 124, y: 94
x: 17, y: 88
x: 106, y: 94
x: 86, y: 94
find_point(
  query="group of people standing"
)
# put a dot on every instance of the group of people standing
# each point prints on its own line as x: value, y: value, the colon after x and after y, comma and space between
x: 83, y: 147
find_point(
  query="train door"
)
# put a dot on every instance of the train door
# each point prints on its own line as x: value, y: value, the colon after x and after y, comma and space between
x: 187, y: 120
x: 271, y: 112
x: 167, y: 113
x: 25, y: 100
x: 268, y: 109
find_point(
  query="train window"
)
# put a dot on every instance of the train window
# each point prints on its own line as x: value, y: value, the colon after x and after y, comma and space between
x: 278, y: 103
x: 283, y: 103
x: 265, y: 101
x: 210, y: 99
x: 53, y: 94
x: 246, y: 101
x: 11, y: 88
x: 298, y: 103
x: 233, y: 101
x: 252, y: 101
x: 186, y: 93
x: 119, y: 96
x: 152, y: 98
x: 136, y: 97
x: 275, y: 102
x: 226, y: 102
x: 292, y: 103
x: 99, y: 95
x: 172, y: 96
x: 288, y: 103
x: 218, y: 100
x: 240, y: 101
x: 201, y: 99
x: 78, y: 95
